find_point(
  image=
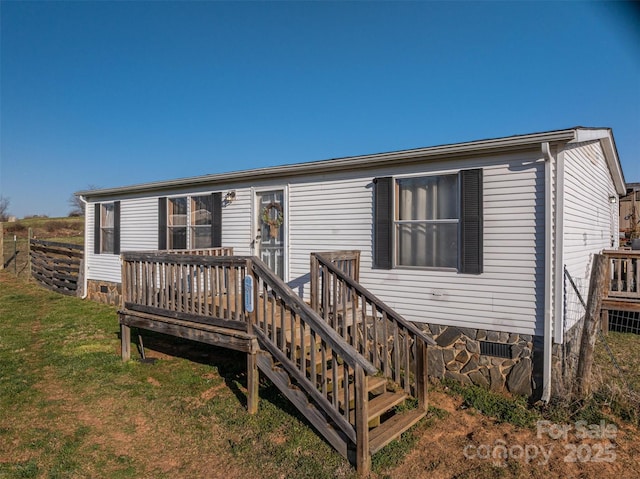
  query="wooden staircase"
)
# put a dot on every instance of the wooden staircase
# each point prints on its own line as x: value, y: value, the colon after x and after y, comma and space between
x: 358, y: 374
x: 386, y: 420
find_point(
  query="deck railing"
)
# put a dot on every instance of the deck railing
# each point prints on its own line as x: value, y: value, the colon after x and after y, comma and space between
x: 624, y: 274
x: 221, y: 251
x: 200, y: 288
x: 390, y: 342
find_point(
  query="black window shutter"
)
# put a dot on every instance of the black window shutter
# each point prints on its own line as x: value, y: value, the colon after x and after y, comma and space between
x: 471, y: 221
x: 116, y: 227
x: 96, y: 229
x: 382, y: 222
x: 162, y: 223
x: 216, y: 221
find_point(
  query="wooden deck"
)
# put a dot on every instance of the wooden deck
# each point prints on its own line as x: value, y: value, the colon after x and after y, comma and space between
x: 346, y: 365
x: 622, y: 290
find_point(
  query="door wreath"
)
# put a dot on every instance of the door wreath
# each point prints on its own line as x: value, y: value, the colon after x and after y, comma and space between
x: 273, y: 221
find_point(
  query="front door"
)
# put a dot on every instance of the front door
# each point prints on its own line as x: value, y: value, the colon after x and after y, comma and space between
x: 271, y: 225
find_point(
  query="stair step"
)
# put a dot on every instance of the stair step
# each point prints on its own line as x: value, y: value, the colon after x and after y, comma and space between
x: 381, y: 404
x: 296, y: 334
x: 392, y: 428
x: 376, y: 385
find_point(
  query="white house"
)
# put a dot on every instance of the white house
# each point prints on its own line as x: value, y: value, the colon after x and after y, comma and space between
x: 468, y: 240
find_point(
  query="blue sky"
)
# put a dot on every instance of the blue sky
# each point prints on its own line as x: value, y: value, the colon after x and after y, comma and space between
x: 117, y: 93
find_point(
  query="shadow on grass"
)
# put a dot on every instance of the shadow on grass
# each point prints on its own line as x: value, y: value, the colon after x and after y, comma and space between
x: 230, y: 364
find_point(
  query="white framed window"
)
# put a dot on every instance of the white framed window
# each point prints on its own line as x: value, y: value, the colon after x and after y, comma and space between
x: 426, y: 221
x: 431, y: 221
x: 190, y: 222
x: 107, y: 224
x: 177, y: 223
x: 107, y: 228
x: 200, y: 221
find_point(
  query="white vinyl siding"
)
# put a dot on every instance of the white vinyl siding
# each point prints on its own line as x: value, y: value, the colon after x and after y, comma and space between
x: 590, y: 219
x: 332, y: 214
x: 236, y: 222
x: 138, y: 231
x: 334, y: 211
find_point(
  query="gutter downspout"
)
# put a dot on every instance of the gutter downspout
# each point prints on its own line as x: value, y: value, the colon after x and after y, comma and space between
x: 548, y: 272
x: 85, y: 293
x: 559, y: 326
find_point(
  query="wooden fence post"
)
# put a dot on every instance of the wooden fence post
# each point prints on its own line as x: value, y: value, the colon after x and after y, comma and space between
x: 1, y: 245
x: 421, y: 375
x: 29, y: 254
x: 599, y: 269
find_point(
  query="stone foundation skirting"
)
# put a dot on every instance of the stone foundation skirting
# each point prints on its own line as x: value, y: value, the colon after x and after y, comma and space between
x: 104, y: 292
x: 496, y: 360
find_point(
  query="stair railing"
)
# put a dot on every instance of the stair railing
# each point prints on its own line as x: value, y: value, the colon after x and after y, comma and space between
x: 391, y: 343
x: 313, y: 354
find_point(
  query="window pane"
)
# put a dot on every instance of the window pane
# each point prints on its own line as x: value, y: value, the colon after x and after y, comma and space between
x: 428, y: 244
x: 428, y: 198
x: 177, y: 238
x: 201, y: 237
x: 106, y: 221
x: 201, y: 210
x: 177, y: 211
x: 106, y: 241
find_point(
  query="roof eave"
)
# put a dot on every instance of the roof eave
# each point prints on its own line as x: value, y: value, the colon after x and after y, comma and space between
x: 349, y: 163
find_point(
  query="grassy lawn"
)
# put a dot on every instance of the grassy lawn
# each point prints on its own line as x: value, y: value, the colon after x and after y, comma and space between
x: 73, y: 409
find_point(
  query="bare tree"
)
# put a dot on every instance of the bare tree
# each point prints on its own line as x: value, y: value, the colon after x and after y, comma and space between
x: 4, y: 208
x: 76, y: 204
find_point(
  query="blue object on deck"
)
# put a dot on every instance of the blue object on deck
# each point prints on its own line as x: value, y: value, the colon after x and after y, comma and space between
x: 248, y: 294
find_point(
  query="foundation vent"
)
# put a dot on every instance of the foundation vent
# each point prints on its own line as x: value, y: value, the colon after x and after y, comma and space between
x: 499, y: 350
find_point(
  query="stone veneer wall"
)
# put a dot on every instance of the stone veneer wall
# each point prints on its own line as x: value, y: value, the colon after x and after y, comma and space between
x: 104, y: 292
x: 458, y: 357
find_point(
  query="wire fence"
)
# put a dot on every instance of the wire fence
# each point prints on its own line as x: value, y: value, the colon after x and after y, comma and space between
x: 624, y: 321
x: 575, y: 306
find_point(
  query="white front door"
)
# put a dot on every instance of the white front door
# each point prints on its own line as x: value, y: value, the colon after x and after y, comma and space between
x: 271, y: 229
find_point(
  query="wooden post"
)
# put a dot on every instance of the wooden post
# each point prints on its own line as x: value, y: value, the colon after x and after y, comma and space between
x: 1, y: 245
x: 421, y: 374
x: 315, y: 278
x: 253, y: 380
x: 597, y: 282
x: 253, y: 375
x: 605, y: 321
x: 125, y: 341
x: 15, y: 254
x: 29, y: 254
x: 363, y: 458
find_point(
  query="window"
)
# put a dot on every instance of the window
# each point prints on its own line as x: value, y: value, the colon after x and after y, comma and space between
x: 201, y: 221
x: 107, y: 228
x: 426, y: 221
x: 177, y: 222
x: 190, y: 222
x: 429, y: 222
